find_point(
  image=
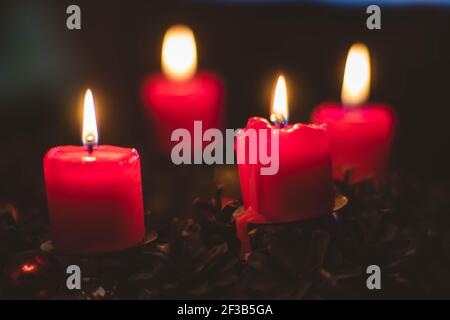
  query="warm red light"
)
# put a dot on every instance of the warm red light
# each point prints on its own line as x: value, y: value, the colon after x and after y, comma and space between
x: 28, y: 268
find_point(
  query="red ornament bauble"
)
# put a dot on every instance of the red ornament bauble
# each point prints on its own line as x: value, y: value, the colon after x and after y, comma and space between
x: 31, y: 275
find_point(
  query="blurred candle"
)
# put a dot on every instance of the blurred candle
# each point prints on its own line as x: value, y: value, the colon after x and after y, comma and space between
x: 361, y: 134
x: 94, y: 193
x: 180, y: 96
x: 302, y: 188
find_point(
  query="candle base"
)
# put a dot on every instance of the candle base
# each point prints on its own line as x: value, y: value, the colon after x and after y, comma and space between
x: 48, y: 247
x: 248, y: 220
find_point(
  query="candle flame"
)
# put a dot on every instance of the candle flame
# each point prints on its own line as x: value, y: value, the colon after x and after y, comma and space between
x: 280, y: 100
x: 179, y: 53
x: 356, y: 84
x: 90, y: 134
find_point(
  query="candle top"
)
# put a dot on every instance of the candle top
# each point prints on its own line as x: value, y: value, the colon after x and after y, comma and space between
x: 366, y: 113
x: 101, y: 154
x: 262, y: 123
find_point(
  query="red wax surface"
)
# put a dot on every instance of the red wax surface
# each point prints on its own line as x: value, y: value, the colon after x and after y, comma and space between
x: 94, y: 200
x: 303, y: 187
x: 361, y: 139
x: 177, y: 104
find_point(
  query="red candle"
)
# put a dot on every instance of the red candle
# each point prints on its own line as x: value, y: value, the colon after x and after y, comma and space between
x: 361, y: 134
x: 302, y: 188
x: 180, y: 96
x: 94, y: 193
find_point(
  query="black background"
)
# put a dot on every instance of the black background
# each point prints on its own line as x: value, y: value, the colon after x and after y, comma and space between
x: 45, y: 68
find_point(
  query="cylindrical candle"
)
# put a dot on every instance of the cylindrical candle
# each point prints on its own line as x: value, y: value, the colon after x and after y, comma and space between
x: 360, y: 137
x: 302, y: 188
x: 94, y: 195
x: 180, y: 96
x: 361, y: 134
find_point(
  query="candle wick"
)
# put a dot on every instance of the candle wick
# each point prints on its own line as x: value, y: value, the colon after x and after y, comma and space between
x: 90, y: 141
x: 278, y: 120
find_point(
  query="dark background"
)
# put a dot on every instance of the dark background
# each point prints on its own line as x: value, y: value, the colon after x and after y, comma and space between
x: 45, y: 69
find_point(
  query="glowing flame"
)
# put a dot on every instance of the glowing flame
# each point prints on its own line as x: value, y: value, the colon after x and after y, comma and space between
x: 356, y: 84
x: 280, y: 100
x: 90, y: 135
x: 179, y: 53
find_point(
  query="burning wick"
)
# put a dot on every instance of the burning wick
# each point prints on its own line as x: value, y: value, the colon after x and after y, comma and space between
x: 279, y: 114
x: 90, y: 134
x: 278, y: 120
x: 90, y: 142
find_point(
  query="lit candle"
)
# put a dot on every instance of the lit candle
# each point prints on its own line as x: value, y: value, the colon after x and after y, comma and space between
x: 361, y: 134
x: 302, y: 188
x: 180, y: 96
x: 94, y: 193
